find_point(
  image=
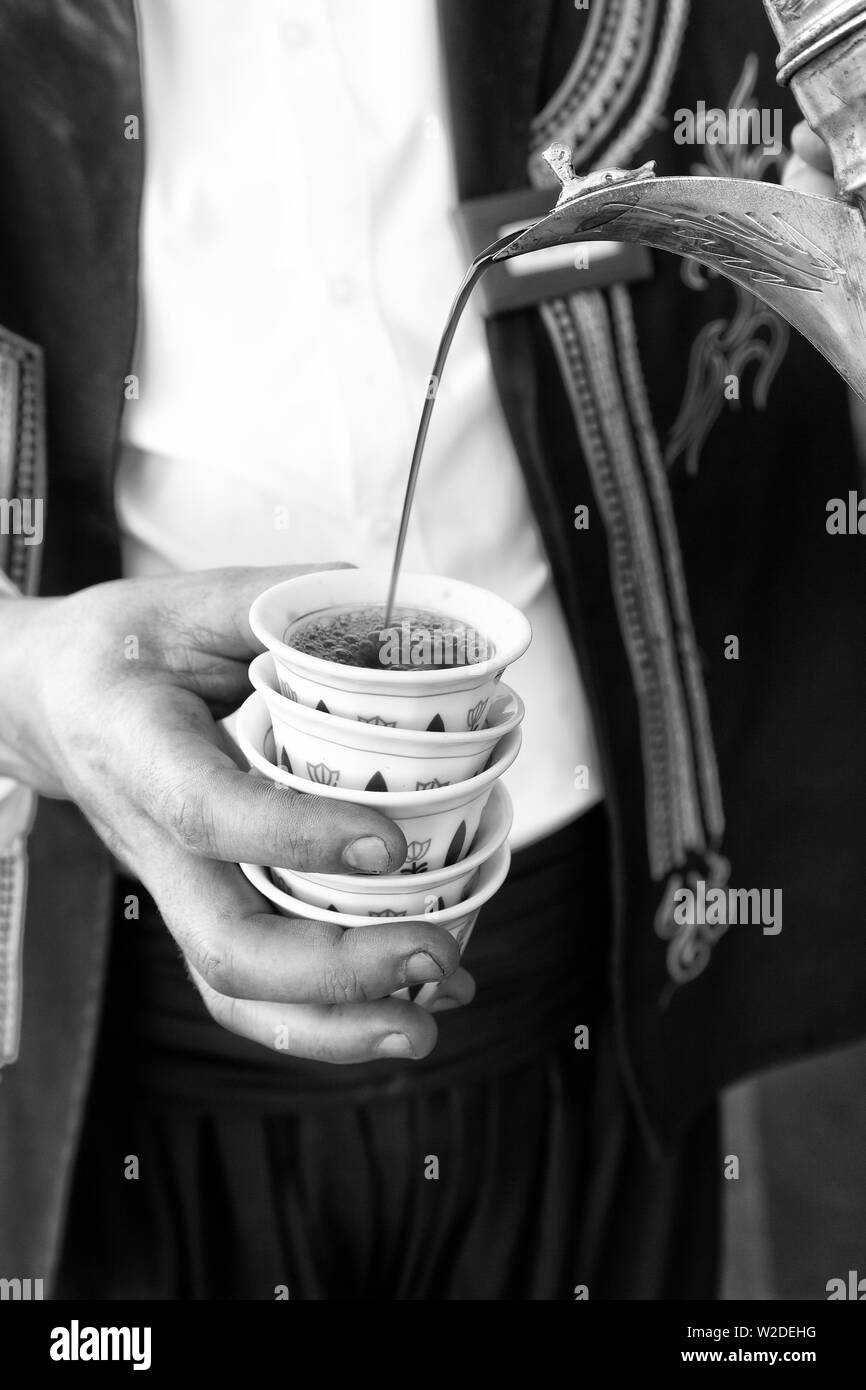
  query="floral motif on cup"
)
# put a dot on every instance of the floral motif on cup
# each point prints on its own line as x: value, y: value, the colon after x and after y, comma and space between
x: 415, y: 852
x: 377, y: 719
x: 324, y: 775
x: 287, y: 690
x: 429, y: 786
x: 388, y: 912
x: 476, y: 714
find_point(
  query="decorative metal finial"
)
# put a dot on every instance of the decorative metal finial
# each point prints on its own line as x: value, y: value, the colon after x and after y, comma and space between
x: 559, y: 157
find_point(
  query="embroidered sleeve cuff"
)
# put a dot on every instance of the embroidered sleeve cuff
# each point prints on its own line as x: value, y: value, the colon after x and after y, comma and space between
x: 17, y: 803
x: 17, y: 809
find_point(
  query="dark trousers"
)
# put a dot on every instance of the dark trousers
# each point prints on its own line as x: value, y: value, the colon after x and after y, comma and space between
x: 508, y: 1165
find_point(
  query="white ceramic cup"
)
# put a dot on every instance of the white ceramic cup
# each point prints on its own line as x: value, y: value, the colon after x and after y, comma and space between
x: 372, y: 757
x: 439, y: 823
x: 450, y: 699
x: 458, y: 920
x: 414, y: 890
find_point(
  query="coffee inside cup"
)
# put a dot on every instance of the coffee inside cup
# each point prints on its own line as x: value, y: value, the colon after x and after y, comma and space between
x: 414, y: 639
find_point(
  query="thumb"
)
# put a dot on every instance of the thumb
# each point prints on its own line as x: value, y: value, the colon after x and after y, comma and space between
x: 811, y: 148
x: 215, y: 604
x: 192, y: 788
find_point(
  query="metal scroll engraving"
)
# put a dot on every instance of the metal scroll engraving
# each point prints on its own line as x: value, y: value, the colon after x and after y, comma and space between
x: 802, y: 255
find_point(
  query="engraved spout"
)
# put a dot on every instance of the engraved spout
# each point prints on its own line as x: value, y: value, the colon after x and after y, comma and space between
x: 803, y: 255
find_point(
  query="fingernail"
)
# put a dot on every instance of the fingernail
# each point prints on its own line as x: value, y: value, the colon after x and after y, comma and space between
x: 369, y: 855
x: 395, y: 1045
x: 421, y: 969
x: 440, y: 1005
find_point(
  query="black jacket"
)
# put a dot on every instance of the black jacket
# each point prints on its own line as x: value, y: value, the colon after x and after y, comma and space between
x: 592, y: 384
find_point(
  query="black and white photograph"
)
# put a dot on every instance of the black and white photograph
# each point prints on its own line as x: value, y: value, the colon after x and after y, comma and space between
x: 432, y: 675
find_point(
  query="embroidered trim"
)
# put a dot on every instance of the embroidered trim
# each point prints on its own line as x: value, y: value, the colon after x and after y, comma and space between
x: 683, y: 809
x: 22, y: 476
x: 690, y: 944
x: 584, y: 344
x: 656, y: 481
x: 13, y: 893
x: 603, y: 79
x: 583, y: 73
x: 648, y: 113
x: 726, y: 347
x: 599, y: 360
x: 22, y: 448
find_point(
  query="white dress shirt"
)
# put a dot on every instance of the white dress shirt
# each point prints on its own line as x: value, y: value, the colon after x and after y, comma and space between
x: 297, y: 263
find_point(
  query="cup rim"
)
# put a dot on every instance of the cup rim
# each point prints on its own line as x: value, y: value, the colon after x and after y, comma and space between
x: 435, y: 877
x: 262, y: 673
x: 397, y: 681
x: 492, y: 875
x: 255, y: 707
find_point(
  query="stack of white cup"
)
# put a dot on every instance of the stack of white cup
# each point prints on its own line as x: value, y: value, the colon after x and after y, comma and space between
x: 425, y: 746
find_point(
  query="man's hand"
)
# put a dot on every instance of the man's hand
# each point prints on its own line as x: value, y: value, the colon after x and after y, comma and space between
x: 810, y: 168
x: 110, y: 698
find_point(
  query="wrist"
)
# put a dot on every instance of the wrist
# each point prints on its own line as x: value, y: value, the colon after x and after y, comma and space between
x: 24, y: 653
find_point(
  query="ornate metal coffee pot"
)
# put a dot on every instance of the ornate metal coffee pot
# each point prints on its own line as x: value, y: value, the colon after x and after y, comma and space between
x: 802, y: 254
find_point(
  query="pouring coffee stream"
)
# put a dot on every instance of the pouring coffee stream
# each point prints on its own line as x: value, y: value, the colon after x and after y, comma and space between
x: 801, y: 254
x: 481, y: 263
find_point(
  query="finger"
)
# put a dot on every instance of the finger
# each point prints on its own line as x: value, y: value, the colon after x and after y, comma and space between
x: 386, y: 1029
x: 241, y: 951
x: 803, y: 178
x: 456, y: 991
x: 811, y: 148
x: 210, y: 808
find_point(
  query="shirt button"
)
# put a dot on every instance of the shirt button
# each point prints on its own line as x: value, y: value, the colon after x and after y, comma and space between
x: 294, y: 35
